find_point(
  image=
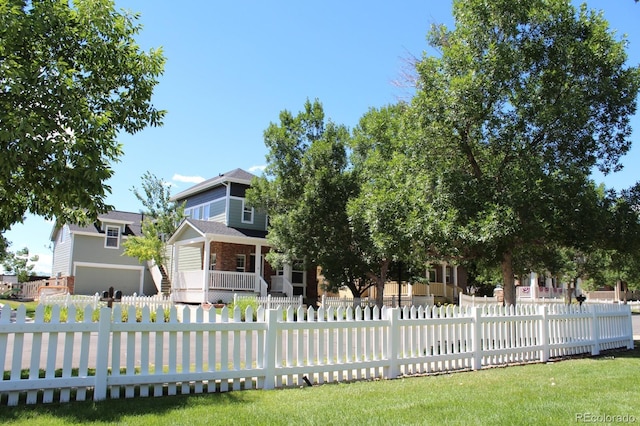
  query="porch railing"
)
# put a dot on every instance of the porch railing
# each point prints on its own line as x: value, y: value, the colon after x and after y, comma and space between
x: 280, y: 284
x: 233, y: 281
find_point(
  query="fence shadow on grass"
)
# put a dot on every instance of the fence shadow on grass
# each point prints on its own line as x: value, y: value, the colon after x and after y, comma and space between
x: 116, y: 410
x: 621, y: 353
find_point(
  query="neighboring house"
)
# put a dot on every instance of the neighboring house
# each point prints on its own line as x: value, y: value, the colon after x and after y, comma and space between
x: 93, y: 255
x: 219, y: 250
x: 442, y: 280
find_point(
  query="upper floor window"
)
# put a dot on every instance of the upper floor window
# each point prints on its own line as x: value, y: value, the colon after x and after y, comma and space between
x: 247, y: 213
x: 112, y: 237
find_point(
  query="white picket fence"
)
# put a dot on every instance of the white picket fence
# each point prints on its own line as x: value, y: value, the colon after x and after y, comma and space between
x: 270, y: 302
x: 65, y: 300
x: 217, y: 353
x: 388, y: 301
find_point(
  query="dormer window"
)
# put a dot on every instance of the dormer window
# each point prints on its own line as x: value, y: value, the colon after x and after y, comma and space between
x: 112, y: 237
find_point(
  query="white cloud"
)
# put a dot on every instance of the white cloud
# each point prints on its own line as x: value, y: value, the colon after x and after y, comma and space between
x: 44, y: 265
x: 254, y: 169
x: 189, y: 179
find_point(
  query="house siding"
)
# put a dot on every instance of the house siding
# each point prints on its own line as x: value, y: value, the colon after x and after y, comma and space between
x: 87, y: 248
x: 189, y: 233
x: 205, y: 197
x: 235, y: 217
x: 109, y: 268
x: 62, y: 253
x: 189, y: 258
x: 217, y: 211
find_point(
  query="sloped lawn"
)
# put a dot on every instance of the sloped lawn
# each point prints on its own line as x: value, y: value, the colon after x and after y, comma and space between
x: 586, y: 390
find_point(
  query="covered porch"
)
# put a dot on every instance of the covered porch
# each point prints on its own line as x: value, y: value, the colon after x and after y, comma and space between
x: 212, y: 262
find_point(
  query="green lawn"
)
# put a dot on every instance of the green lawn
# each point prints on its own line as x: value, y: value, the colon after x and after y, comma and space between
x: 556, y: 393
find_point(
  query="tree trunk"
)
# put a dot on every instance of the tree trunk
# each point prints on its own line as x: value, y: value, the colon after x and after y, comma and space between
x: 380, y: 280
x: 509, y: 290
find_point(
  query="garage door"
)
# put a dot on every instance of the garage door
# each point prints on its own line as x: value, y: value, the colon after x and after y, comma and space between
x: 92, y: 280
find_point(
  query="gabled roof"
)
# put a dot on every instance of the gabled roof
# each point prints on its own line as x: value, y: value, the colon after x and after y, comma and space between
x: 131, y: 222
x: 237, y: 176
x: 217, y: 231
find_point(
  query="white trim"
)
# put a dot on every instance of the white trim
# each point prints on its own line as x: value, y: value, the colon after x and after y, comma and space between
x: 227, y: 204
x: 96, y: 234
x: 112, y: 266
x: 198, y: 188
x: 107, y: 220
x: 253, y: 213
x: 107, y: 236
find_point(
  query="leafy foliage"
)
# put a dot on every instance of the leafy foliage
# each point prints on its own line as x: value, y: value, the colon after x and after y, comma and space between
x: 162, y: 216
x: 521, y: 104
x: 72, y: 77
x: 20, y: 264
x: 305, y: 191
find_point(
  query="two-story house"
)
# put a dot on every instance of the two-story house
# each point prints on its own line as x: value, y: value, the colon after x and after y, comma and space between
x: 219, y: 250
x: 93, y: 255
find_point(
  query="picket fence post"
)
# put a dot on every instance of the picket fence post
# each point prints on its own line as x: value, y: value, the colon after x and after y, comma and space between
x: 477, y: 339
x: 595, y: 332
x: 545, y: 351
x: 270, y: 343
x: 630, y: 345
x: 102, y: 351
x: 393, y: 315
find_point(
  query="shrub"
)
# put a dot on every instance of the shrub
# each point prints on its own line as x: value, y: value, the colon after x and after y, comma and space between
x: 243, y: 304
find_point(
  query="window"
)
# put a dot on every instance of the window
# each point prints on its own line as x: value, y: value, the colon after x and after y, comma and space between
x: 247, y: 213
x: 213, y: 259
x: 240, y: 262
x: 112, y: 239
x: 432, y: 275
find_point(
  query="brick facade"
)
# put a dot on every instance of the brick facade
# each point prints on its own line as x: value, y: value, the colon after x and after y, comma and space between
x: 226, y: 258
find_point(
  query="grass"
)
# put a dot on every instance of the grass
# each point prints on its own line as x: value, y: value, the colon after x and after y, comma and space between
x: 14, y: 304
x: 539, y: 394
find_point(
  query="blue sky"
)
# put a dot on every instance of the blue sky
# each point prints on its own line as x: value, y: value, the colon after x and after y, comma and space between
x: 233, y: 66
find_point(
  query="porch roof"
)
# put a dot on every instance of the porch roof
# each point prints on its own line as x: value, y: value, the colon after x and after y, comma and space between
x: 216, y: 231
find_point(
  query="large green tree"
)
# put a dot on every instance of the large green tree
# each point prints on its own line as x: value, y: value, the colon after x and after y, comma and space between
x: 71, y: 78
x: 522, y: 101
x: 381, y: 211
x: 305, y: 190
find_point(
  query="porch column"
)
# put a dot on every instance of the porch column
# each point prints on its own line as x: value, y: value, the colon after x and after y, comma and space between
x: 444, y: 279
x: 454, y: 272
x: 287, y: 271
x: 176, y: 277
x: 206, y: 266
x: 258, y: 268
x: 533, y: 286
